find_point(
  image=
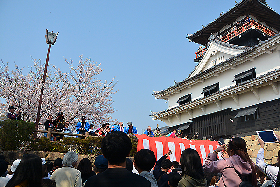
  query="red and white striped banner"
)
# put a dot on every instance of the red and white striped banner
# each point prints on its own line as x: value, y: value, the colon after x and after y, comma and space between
x: 161, y: 145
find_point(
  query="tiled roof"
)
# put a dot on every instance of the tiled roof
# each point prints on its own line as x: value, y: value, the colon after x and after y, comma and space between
x: 263, y: 80
x: 248, y: 54
x: 253, y: 7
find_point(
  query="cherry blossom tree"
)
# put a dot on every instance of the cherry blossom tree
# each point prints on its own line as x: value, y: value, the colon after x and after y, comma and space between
x: 76, y: 93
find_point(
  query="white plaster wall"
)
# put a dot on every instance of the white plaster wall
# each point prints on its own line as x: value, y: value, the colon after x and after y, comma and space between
x: 263, y: 64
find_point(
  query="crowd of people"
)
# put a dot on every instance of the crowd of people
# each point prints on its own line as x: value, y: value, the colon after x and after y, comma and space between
x: 114, y: 169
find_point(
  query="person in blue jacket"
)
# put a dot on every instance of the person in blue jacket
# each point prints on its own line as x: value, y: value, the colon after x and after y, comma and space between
x: 82, y: 127
x: 130, y: 129
x: 149, y: 132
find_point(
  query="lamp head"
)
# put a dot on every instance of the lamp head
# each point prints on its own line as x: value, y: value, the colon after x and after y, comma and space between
x: 51, y: 37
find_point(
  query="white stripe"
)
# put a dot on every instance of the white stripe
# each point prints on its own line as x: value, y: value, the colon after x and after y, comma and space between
x: 146, y: 144
x: 159, y: 147
x: 171, y: 146
x: 182, y: 147
x: 203, y: 153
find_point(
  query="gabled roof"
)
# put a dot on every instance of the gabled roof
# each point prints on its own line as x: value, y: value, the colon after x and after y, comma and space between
x: 213, y: 48
x: 247, y: 55
x: 246, y: 7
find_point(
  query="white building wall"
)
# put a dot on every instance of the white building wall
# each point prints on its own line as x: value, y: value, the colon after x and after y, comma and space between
x: 263, y: 64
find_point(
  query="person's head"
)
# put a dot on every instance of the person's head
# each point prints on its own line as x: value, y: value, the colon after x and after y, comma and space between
x: 144, y: 160
x: 237, y: 146
x: 191, y: 164
x: 3, y: 167
x: 116, y: 146
x: 175, y: 164
x: 100, y: 164
x: 44, y: 170
x: 121, y: 124
x: 70, y: 159
x: 29, y: 169
x: 129, y: 124
x: 174, y: 130
x: 49, y: 166
x: 85, y: 166
x: 83, y: 118
x: 166, y: 164
x: 49, y: 117
x: 11, y: 109
x: 149, y: 128
x: 173, y: 179
x: 58, y: 163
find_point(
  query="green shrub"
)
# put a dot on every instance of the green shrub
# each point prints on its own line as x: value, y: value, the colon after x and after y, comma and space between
x: 14, y: 134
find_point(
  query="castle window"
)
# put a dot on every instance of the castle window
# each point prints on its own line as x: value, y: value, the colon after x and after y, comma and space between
x: 208, y: 90
x: 185, y: 99
x: 245, y: 76
x: 247, y: 114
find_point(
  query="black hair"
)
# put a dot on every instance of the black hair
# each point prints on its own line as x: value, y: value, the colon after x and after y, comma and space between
x: 175, y: 164
x: 85, y: 166
x: 58, y: 163
x: 115, y: 147
x: 145, y: 159
x: 129, y: 164
x: 2, y: 157
x: 30, y: 170
x: 191, y: 164
x: 174, y: 179
x: 3, y: 167
x: 44, y: 170
x: 238, y: 147
x: 166, y: 164
x: 49, y: 166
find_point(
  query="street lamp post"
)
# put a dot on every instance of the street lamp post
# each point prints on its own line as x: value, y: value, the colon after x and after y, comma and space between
x: 50, y: 39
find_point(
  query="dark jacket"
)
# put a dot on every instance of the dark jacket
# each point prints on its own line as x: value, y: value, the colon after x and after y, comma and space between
x: 115, y: 177
x: 161, y: 176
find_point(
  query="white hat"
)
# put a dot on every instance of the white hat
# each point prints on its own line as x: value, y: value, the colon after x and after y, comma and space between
x: 15, y: 165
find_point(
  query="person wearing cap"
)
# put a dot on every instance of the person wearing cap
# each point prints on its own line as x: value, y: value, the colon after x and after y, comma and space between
x: 68, y: 175
x: 12, y: 115
x: 100, y: 164
x: 130, y: 129
x: 82, y: 127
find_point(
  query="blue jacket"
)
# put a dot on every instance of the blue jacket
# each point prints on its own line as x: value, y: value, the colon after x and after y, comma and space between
x: 115, y: 128
x: 134, y: 130
x: 79, y: 125
x: 147, y: 133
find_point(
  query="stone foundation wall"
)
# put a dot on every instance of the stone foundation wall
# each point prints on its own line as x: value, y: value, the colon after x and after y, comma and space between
x: 270, y: 149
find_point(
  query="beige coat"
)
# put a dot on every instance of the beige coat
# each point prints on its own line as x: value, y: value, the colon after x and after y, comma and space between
x: 67, y: 176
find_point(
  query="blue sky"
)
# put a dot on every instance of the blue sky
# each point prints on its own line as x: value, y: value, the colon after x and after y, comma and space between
x: 141, y: 43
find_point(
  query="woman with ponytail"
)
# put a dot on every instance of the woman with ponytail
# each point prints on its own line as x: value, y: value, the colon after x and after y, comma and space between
x: 237, y: 170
